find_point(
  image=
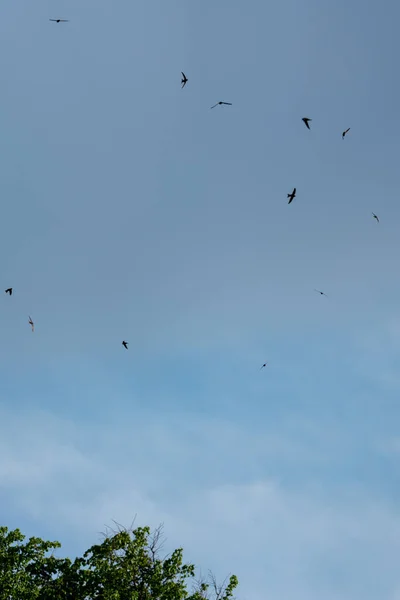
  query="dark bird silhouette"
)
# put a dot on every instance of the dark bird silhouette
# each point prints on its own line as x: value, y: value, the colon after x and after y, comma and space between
x: 306, y: 120
x: 125, y: 345
x: 344, y: 133
x: 184, y: 79
x: 292, y: 195
x: 9, y: 291
x: 322, y: 293
x: 31, y: 323
x: 375, y: 217
x: 59, y: 20
x: 264, y: 365
x: 227, y: 103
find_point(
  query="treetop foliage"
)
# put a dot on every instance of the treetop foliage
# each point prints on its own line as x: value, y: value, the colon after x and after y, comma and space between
x: 125, y: 566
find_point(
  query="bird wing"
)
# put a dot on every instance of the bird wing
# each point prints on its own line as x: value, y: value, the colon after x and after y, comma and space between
x: 215, y: 105
x: 55, y: 20
x: 294, y: 191
x: 228, y: 103
x: 183, y: 75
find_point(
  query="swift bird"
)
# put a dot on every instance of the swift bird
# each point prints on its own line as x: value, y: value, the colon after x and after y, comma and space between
x: 292, y: 195
x: 32, y: 324
x: 306, y: 120
x: 264, y: 365
x: 322, y: 293
x: 184, y: 79
x: 344, y: 133
x: 375, y: 217
x: 60, y: 20
x: 125, y: 345
x: 227, y: 103
x: 9, y: 291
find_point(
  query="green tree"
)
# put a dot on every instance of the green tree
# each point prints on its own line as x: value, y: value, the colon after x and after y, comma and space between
x: 125, y: 566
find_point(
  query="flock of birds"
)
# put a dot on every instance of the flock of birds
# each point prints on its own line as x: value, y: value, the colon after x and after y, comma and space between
x: 290, y: 196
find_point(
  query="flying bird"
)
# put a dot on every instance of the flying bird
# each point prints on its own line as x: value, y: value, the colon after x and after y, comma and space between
x: 344, y: 133
x: 9, y: 291
x: 322, y: 293
x: 227, y: 103
x: 375, y: 217
x: 306, y: 120
x: 125, y: 345
x: 264, y: 365
x: 292, y: 195
x: 31, y: 323
x: 184, y: 79
x: 60, y: 20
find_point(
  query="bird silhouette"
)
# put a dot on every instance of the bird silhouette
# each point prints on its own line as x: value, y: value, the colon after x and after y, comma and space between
x: 31, y: 323
x: 319, y: 292
x: 227, y: 103
x: 292, y: 195
x: 184, y: 79
x: 344, y: 133
x: 125, y: 345
x: 264, y: 365
x: 59, y: 20
x: 9, y: 291
x: 306, y: 120
x: 375, y: 217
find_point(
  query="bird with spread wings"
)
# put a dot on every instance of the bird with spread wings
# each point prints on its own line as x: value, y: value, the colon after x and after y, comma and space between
x: 218, y: 103
x: 292, y: 195
x: 319, y: 292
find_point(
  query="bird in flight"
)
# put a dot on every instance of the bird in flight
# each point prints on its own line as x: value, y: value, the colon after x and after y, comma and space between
x: 322, y: 293
x: 344, y: 133
x: 227, y: 103
x: 264, y: 365
x: 292, y: 195
x: 60, y: 20
x: 32, y: 324
x: 9, y: 291
x: 184, y: 79
x: 125, y: 345
x: 306, y: 120
x: 375, y: 217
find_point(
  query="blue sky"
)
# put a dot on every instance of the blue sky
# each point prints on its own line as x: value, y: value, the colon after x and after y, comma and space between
x: 131, y: 211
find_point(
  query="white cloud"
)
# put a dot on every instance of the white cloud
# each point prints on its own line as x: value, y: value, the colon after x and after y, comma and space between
x: 284, y: 541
